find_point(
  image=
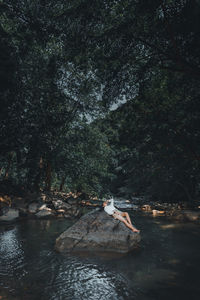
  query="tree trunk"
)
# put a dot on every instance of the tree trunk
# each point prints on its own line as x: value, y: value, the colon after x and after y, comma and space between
x: 9, y: 165
x: 38, y: 176
x: 48, y: 176
x: 62, y: 183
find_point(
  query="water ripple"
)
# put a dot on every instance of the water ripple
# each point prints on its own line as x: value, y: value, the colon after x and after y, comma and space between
x: 12, y: 251
x: 78, y: 280
x: 30, y: 269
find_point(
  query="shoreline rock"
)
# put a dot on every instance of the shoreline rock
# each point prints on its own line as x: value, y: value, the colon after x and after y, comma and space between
x: 39, y: 206
x: 69, y: 205
x: 10, y: 215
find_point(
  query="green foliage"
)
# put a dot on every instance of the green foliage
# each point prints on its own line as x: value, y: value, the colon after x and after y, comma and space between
x: 84, y: 159
x: 158, y: 139
x: 64, y: 63
x: 50, y: 94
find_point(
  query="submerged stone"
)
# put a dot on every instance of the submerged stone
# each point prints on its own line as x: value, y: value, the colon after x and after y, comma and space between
x: 97, y: 231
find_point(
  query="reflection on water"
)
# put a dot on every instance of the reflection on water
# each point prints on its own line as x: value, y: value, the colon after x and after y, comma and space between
x: 11, y: 247
x: 166, y: 266
x: 87, y: 281
x: 11, y: 251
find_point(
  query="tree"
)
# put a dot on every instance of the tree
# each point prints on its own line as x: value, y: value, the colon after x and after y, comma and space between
x: 70, y: 60
x: 158, y: 139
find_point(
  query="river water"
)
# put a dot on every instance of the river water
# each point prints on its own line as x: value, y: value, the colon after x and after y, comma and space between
x: 167, y: 266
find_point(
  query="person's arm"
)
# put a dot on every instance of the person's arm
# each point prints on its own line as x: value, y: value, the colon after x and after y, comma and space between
x: 112, y: 202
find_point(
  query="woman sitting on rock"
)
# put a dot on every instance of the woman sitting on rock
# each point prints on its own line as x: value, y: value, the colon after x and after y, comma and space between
x: 119, y: 215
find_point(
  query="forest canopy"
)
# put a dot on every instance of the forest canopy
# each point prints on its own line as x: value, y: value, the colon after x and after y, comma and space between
x: 64, y: 64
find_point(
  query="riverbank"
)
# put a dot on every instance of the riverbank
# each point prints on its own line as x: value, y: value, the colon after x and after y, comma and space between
x: 73, y: 205
x: 40, y: 205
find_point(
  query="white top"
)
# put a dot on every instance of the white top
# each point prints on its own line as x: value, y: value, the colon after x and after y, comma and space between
x: 109, y: 209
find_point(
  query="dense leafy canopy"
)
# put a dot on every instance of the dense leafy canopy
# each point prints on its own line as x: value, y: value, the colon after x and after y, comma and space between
x: 62, y: 66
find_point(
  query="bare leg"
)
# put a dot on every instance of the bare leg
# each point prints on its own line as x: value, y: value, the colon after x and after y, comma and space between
x: 119, y: 217
x: 126, y: 215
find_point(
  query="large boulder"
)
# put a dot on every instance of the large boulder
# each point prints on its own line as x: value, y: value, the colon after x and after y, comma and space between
x: 97, y: 231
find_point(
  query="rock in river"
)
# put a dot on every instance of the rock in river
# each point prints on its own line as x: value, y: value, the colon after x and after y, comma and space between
x: 43, y: 213
x: 97, y: 231
x: 10, y: 215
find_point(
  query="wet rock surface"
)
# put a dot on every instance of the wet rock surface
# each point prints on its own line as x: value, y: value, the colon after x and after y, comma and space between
x: 74, y: 205
x: 33, y: 207
x: 97, y: 231
x: 10, y: 215
x: 44, y: 213
x: 182, y: 212
x: 39, y: 206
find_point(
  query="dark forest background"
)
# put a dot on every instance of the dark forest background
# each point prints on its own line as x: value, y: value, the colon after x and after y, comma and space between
x: 64, y: 66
